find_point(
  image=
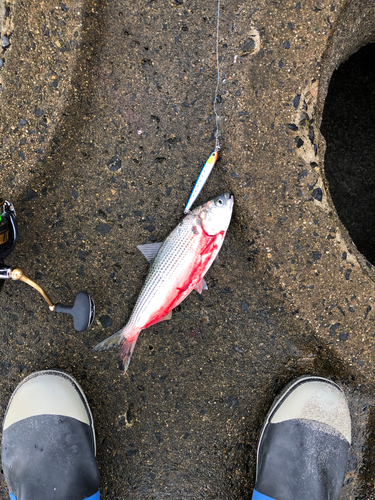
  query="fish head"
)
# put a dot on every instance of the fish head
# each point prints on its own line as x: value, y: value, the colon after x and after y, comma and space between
x: 215, y: 215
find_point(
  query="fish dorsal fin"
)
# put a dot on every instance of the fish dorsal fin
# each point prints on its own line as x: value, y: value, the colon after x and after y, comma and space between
x: 150, y: 250
x: 202, y: 285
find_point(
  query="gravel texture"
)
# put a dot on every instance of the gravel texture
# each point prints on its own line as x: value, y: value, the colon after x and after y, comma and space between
x: 106, y: 118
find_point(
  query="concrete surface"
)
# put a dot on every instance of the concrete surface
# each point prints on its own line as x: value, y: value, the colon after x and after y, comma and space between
x: 106, y: 118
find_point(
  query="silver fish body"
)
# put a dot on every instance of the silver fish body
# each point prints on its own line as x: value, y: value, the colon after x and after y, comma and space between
x: 179, y: 267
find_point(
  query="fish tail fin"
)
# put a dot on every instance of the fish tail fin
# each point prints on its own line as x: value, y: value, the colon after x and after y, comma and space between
x: 111, y: 341
x: 127, y: 349
x: 127, y: 337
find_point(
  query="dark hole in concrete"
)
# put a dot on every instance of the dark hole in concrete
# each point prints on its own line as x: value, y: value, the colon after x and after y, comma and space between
x: 348, y: 126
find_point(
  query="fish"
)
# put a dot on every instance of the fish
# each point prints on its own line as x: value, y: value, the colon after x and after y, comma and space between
x: 179, y: 265
x: 203, y: 176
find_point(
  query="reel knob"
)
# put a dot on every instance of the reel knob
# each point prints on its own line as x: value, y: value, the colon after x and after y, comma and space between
x: 83, y: 311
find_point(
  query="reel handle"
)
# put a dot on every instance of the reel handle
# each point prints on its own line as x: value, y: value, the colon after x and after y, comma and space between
x: 83, y: 309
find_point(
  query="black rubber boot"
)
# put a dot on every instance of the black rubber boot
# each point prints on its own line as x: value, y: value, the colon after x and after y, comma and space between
x: 48, y: 443
x: 302, y: 452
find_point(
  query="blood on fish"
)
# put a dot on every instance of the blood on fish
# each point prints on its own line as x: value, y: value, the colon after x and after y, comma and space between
x: 210, y: 244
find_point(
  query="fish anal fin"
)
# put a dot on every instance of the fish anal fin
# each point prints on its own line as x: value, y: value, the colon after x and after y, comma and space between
x: 150, y: 250
x: 164, y: 318
x: 201, y: 285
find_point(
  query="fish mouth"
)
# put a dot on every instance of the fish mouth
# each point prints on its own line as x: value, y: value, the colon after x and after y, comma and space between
x: 230, y: 198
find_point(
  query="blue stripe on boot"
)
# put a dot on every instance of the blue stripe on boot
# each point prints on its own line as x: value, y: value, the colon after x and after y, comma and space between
x: 260, y: 496
x: 96, y: 496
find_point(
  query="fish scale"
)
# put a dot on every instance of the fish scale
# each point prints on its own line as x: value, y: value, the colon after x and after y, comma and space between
x: 180, y: 264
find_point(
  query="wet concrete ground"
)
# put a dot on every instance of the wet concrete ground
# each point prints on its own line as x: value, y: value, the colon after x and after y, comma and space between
x: 106, y: 120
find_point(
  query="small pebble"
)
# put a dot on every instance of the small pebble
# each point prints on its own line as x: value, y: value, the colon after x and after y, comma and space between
x: 114, y: 164
x: 292, y: 126
x: 317, y: 194
x: 296, y: 101
x: 105, y: 320
x: 5, y: 42
x: 103, y: 228
x: 248, y: 46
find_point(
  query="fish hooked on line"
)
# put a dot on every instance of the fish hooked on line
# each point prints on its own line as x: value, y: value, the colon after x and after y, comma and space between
x: 179, y: 266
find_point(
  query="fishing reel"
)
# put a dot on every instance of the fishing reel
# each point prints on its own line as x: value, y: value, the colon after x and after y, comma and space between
x: 83, y: 309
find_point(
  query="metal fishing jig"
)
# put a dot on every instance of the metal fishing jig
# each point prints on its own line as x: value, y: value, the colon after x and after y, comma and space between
x: 203, y: 176
x: 83, y: 310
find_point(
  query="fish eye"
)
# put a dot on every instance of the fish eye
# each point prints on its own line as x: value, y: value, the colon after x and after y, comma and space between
x: 219, y: 202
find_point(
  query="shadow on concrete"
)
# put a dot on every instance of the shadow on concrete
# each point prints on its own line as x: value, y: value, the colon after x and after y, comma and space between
x: 349, y: 129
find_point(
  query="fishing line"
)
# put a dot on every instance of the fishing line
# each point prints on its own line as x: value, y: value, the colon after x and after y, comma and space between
x: 218, y: 74
x: 209, y: 165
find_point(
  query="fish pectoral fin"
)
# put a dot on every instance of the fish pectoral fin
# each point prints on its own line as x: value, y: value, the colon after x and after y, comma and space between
x: 164, y: 318
x: 150, y: 250
x: 202, y: 285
